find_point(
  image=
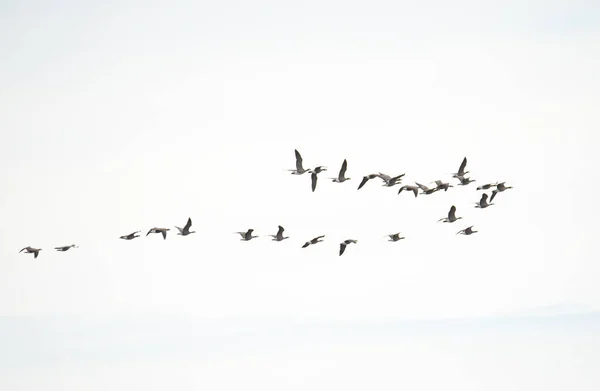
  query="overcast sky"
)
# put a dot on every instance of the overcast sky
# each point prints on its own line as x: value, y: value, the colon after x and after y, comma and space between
x: 120, y: 116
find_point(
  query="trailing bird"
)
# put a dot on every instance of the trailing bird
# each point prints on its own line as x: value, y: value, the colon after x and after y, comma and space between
x: 130, y: 236
x: 395, y: 237
x: 341, y: 176
x: 156, y: 230
x: 279, y: 236
x: 483, y: 203
x: 316, y: 240
x: 441, y: 185
x: 388, y: 181
x: 366, y: 179
x: 500, y: 187
x: 65, y: 248
x: 464, y: 181
x: 31, y: 250
x: 467, y: 231
x: 451, y: 216
x: 426, y: 190
x: 317, y: 169
x: 461, y: 169
x: 414, y: 189
x: 299, y: 169
x: 345, y: 243
x: 487, y: 186
x: 247, y: 235
x: 313, y: 176
x: 186, y: 230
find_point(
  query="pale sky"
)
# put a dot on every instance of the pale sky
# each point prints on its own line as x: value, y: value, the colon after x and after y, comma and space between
x: 121, y: 116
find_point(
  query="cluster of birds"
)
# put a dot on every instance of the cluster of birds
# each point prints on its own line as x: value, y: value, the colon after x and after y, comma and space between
x: 388, y: 181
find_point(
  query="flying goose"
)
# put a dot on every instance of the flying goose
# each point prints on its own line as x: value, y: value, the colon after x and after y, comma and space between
x: 461, y: 169
x: 316, y: 240
x: 186, y: 230
x: 388, y: 181
x: 341, y: 176
x: 395, y: 237
x: 65, y: 248
x: 345, y: 243
x: 467, y: 231
x: 441, y: 185
x: 247, y: 235
x: 464, y: 181
x: 451, y: 216
x: 299, y: 169
x: 487, y: 186
x: 366, y: 179
x: 414, y: 189
x: 500, y: 187
x: 483, y: 203
x: 426, y: 190
x: 31, y: 250
x: 279, y: 236
x: 130, y: 236
x: 156, y: 230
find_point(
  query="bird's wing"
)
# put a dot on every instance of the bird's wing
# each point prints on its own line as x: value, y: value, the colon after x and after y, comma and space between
x: 422, y: 187
x: 343, y: 169
x: 280, y: 231
x: 313, y: 181
x: 484, y: 197
x: 461, y: 169
x: 452, y: 213
x: 23, y: 249
x: 342, y: 248
x: 383, y: 176
x: 180, y: 229
x: 188, y: 224
x: 36, y: 253
x: 306, y: 244
x: 439, y: 183
x: 494, y: 192
x: 298, y: 161
x: 164, y: 234
x: 149, y: 232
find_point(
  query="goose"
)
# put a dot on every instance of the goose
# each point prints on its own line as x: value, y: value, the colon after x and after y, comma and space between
x: 65, y: 248
x: 316, y: 240
x: 279, y: 236
x: 414, y: 189
x: 156, y: 230
x: 186, y: 230
x: 341, y: 176
x: 425, y: 189
x: 344, y: 244
x: 487, y: 186
x: 388, y: 181
x: 464, y: 181
x: 366, y: 179
x: 247, y: 235
x: 31, y: 250
x: 130, y: 236
x: 451, y: 216
x: 483, y: 203
x: 441, y: 185
x: 500, y: 187
x: 467, y: 231
x: 299, y: 169
x: 317, y: 169
x: 395, y: 237
x: 461, y: 169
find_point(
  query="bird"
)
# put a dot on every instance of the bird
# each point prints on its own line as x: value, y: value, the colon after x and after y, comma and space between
x: 317, y: 169
x: 426, y: 190
x: 31, y: 250
x: 130, y: 236
x: 461, y: 169
x: 500, y: 187
x: 486, y: 186
x: 414, y: 189
x: 316, y: 240
x: 464, y: 181
x: 279, y: 236
x: 451, y: 216
x: 366, y: 179
x: 467, y: 231
x: 186, y: 230
x: 247, y: 235
x: 483, y: 203
x: 341, y: 176
x: 65, y: 248
x: 156, y: 230
x: 387, y: 180
x: 345, y: 243
x: 299, y: 169
x: 442, y: 186
x: 395, y: 237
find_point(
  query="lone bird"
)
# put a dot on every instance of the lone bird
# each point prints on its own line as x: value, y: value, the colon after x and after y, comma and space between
x: 483, y: 203
x: 65, y: 248
x: 500, y: 187
x: 130, y: 236
x: 346, y: 243
x: 395, y: 237
x: 414, y: 189
x: 461, y: 169
x: 247, y: 235
x: 186, y: 230
x: 342, y: 175
x: 156, y: 230
x: 299, y: 169
x: 316, y: 240
x: 451, y: 216
x: 467, y: 231
x: 31, y: 250
x: 279, y: 236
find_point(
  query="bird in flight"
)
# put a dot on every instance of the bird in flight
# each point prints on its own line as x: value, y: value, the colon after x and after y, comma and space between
x: 185, y: 230
x: 299, y: 169
x: 279, y: 236
x: 464, y: 181
x: 316, y: 240
x: 246, y: 236
x: 65, y: 248
x: 451, y: 216
x: 395, y: 237
x: 500, y: 187
x: 346, y: 243
x: 461, y: 169
x: 483, y: 203
x: 130, y: 236
x: 31, y: 250
x: 156, y: 230
x: 442, y: 186
x: 342, y: 175
x: 414, y: 189
x: 467, y: 231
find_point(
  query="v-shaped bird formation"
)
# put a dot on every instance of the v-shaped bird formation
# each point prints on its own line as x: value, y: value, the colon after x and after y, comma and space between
x: 484, y: 202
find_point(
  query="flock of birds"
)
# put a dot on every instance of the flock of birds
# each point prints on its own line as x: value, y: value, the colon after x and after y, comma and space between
x: 388, y: 181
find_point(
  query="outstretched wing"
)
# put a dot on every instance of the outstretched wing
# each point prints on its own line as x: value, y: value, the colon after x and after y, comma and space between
x: 313, y: 180
x: 452, y: 213
x: 342, y: 248
x: 461, y: 169
x: 298, y: 161
x: 494, y: 192
x: 362, y: 183
x: 343, y: 170
x: 280, y: 231
x: 164, y: 233
x: 188, y: 224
